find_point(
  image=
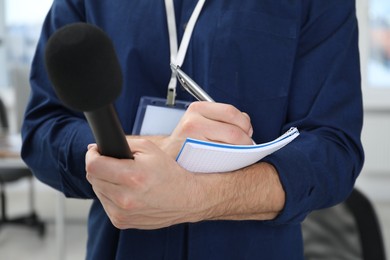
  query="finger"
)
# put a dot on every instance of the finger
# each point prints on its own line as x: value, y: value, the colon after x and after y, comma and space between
x: 226, y: 133
x: 222, y: 112
x: 250, y: 133
x: 120, y: 171
x: 106, y: 168
x: 92, y: 146
x: 142, y: 146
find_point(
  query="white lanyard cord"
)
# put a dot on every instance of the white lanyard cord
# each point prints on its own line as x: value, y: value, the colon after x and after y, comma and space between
x: 178, y: 53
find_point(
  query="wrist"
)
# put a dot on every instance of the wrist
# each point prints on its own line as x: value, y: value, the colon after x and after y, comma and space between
x: 253, y: 193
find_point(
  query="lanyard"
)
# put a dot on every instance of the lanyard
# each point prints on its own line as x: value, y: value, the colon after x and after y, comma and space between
x: 178, y: 53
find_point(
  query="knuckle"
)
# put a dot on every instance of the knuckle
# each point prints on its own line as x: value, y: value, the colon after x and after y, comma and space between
x: 118, y: 222
x: 91, y: 165
x: 194, y: 106
x: 230, y: 112
x: 137, y: 181
x: 234, y: 137
x: 188, y: 126
x: 125, y: 203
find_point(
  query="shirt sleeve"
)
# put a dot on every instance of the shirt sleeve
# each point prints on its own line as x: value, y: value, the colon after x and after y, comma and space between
x: 55, y: 138
x: 319, y: 168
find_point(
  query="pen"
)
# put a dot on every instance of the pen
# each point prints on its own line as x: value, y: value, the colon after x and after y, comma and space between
x: 190, y: 85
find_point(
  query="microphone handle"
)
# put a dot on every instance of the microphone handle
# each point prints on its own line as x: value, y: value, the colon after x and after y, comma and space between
x: 108, y: 132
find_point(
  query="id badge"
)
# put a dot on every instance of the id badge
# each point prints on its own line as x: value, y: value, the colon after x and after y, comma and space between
x: 154, y: 117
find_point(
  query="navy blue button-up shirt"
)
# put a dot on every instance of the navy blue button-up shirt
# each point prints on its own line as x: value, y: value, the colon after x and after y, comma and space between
x: 285, y: 63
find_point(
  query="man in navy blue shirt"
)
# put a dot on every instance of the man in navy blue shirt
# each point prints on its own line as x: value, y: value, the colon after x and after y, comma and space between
x: 270, y: 65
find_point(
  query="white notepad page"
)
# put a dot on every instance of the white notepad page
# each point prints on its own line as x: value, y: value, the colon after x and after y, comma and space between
x: 208, y: 157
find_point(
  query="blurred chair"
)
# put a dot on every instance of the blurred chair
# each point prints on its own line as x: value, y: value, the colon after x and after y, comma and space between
x: 10, y: 174
x: 349, y: 230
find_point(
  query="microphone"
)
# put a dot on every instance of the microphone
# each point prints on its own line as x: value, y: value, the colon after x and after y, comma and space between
x: 83, y: 68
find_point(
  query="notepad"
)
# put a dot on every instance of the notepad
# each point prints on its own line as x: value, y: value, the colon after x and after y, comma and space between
x: 208, y: 157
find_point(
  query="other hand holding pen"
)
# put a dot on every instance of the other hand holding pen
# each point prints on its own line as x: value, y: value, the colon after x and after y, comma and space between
x: 215, y: 122
x: 196, y: 91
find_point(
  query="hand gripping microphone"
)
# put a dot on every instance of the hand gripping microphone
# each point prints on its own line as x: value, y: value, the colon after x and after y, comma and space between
x: 83, y: 67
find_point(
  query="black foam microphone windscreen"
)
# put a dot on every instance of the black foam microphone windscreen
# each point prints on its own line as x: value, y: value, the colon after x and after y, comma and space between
x: 86, y: 75
x: 83, y: 66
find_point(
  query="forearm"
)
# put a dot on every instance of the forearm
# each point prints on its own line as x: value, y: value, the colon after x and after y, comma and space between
x: 252, y: 193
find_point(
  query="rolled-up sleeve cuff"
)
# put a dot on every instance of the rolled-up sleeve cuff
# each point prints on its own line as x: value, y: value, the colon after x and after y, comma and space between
x: 298, y: 184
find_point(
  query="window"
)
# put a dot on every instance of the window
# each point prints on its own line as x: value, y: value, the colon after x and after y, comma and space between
x: 20, y: 26
x: 378, y: 68
x: 23, y: 22
x: 374, y: 26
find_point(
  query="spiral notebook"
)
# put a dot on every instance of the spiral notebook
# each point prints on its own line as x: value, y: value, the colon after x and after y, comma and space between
x: 208, y: 157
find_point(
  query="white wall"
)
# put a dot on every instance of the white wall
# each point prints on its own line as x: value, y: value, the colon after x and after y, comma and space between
x: 375, y: 177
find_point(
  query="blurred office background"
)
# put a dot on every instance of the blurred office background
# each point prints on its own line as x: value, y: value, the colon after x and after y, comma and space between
x: 65, y: 236
x: 65, y: 232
